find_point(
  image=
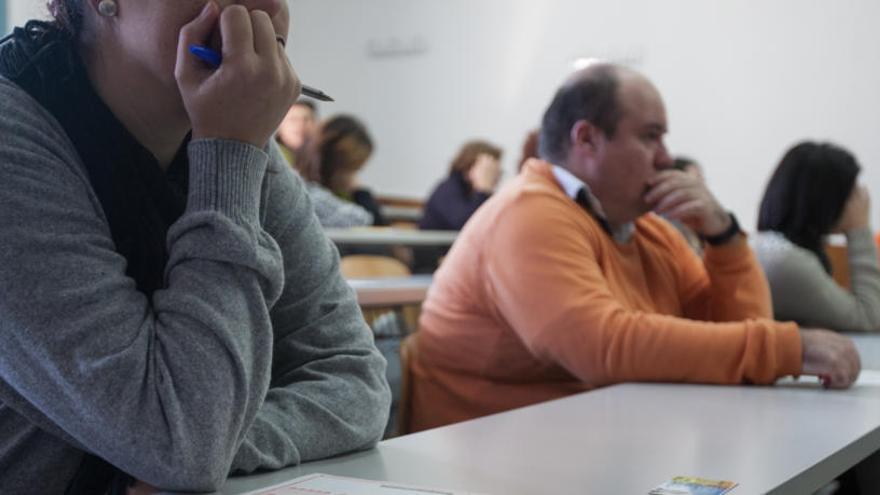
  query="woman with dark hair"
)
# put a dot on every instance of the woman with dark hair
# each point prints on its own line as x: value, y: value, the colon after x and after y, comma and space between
x: 814, y: 193
x: 342, y: 148
x: 171, y: 311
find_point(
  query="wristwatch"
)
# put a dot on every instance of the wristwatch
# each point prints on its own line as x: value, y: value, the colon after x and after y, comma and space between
x: 723, y: 237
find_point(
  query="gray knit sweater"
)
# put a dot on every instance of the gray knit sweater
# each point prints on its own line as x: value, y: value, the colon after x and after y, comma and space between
x: 254, y: 356
x: 334, y: 212
x: 804, y: 292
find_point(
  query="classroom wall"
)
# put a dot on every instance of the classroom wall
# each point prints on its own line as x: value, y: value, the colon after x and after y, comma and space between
x: 2, y: 17
x: 742, y: 79
x: 19, y: 11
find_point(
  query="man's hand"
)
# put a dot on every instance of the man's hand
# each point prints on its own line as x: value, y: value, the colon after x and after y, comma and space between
x: 684, y: 197
x: 830, y: 356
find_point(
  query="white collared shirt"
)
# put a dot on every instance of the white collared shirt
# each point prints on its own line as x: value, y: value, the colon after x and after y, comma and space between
x: 572, y: 185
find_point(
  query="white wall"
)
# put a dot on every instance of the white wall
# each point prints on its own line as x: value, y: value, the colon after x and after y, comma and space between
x: 19, y: 11
x: 742, y: 79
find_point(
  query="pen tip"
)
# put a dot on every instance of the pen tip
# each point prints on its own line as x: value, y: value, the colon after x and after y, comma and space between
x: 315, y: 93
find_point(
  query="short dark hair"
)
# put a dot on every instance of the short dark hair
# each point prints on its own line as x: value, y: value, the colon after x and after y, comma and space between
x: 68, y: 15
x: 591, y: 96
x: 807, y: 193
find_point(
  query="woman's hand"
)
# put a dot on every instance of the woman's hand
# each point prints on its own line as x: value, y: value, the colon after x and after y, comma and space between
x: 248, y: 95
x: 485, y: 173
x: 857, y: 211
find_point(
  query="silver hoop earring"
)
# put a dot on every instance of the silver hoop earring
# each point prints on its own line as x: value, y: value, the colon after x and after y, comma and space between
x: 107, y: 8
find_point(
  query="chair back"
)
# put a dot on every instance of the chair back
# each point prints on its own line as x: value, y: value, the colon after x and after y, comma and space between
x: 837, y: 256
x: 407, y: 358
x: 372, y: 266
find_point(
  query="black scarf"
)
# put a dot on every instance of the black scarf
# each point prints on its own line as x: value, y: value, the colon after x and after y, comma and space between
x: 139, y: 200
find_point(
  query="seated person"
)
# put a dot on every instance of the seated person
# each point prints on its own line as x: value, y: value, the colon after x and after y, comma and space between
x: 529, y: 148
x: 473, y: 177
x: 171, y: 310
x: 814, y: 193
x: 297, y: 129
x: 340, y: 152
x: 332, y: 211
x: 563, y: 281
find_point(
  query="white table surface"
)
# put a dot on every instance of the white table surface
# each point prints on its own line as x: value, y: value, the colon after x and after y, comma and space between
x: 868, y: 345
x: 391, y: 291
x: 389, y: 236
x: 626, y: 439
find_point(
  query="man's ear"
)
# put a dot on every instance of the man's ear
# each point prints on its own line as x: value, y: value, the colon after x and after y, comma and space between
x: 584, y: 136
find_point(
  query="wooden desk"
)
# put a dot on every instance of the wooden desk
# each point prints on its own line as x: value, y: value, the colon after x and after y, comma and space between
x: 391, y: 237
x: 391, y: 291
x: 626, y: 439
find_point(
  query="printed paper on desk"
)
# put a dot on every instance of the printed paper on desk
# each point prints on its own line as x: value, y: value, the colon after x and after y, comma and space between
x: 325, y: 484
x: 686, y: 485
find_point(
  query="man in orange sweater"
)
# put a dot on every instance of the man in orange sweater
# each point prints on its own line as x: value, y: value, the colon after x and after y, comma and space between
x: 564, y: 281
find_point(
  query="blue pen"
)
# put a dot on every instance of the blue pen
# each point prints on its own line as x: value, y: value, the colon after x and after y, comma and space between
x: 214, y: 59
x: 207, y: 55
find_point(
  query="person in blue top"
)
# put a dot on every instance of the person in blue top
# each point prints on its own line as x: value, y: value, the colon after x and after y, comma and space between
x: 473, y: 177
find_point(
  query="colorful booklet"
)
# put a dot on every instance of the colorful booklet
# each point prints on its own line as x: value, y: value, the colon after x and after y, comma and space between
x: 686, y: 485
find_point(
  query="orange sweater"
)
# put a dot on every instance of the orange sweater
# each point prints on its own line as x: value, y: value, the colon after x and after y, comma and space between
x: 535, y: 301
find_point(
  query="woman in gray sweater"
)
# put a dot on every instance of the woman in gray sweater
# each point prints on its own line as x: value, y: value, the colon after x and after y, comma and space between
x: 814, y: 193
x: 171, y: 311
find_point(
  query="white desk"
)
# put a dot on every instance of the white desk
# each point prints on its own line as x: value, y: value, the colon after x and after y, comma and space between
x: 392, y: 237
x: 868, y: 345
x: 391, y: 291
x: 626, y: 439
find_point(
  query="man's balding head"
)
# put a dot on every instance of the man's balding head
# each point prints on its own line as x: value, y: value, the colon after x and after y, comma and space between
x: 606, y: 126
x: 590, y: 94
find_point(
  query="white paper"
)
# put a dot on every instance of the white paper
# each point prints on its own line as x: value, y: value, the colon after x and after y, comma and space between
x: 325, y: 484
